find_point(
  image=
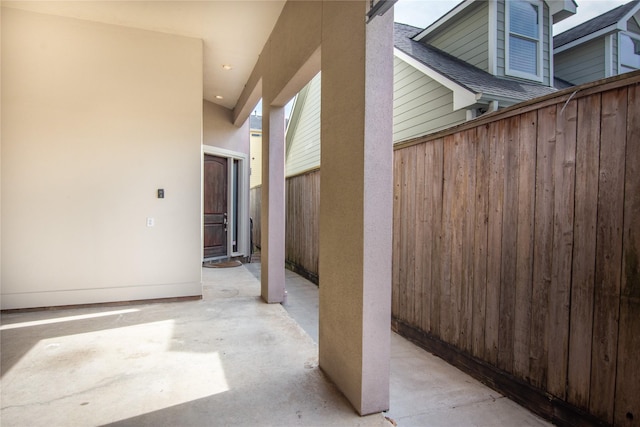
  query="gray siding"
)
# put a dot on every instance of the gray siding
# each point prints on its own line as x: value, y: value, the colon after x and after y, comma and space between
x: 304, y: 149
x: 466, y: 37
x: 501, y: 44
x: 584, y: 63
x: 420, y: 104
x: 546, y: 52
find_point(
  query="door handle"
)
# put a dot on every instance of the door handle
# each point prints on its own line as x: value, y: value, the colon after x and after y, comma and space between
x: 225, y: 221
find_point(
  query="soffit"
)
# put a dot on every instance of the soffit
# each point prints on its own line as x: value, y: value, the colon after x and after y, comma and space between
x: 233, y: 32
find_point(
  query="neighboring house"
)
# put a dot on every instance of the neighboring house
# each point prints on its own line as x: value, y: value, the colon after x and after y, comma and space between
x: 479, y: 57
x: 604, y: 46
x: 255, y: 150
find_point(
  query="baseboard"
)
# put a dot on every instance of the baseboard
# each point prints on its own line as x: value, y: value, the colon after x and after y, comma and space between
x: 78, y: 297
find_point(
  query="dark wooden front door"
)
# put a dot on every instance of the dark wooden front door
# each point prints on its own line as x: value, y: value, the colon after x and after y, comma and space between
x: 215, y: 206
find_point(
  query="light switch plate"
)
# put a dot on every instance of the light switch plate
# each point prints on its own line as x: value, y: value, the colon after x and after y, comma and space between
x: 151, y: 222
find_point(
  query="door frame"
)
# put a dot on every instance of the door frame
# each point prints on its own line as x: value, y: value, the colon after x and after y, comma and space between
x: 243, y: 201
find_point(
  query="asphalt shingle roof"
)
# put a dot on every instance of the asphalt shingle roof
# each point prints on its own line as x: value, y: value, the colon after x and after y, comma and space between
x: 595, y: 24
x: 463, y: 73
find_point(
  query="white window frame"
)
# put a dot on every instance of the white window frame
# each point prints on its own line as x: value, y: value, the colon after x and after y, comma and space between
x: 632, y: 36
x: 539, y: 76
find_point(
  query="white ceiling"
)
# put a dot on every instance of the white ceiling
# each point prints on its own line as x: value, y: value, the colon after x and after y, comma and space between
x: 233, y: 32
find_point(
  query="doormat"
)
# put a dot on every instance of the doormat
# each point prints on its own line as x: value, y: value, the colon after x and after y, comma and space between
x: 222, y: 264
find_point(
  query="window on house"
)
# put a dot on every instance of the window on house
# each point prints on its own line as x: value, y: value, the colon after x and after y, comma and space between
x: 524, y: 39
x: 629, y: 53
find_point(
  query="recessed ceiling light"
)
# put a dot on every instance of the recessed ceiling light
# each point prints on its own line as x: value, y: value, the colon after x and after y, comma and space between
x: 219, y: 97
x: 226, y: 67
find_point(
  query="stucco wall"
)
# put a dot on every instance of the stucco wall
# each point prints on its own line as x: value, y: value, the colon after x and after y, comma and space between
x: 96, y: 119
x: 218, y: 129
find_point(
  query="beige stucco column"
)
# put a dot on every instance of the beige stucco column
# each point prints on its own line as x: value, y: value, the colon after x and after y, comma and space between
x: 273, y: 207
x: 356, y: 202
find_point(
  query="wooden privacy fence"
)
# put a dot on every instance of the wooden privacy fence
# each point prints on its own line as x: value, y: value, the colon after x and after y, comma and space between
x: 302, y: 195
x: 515, y: 254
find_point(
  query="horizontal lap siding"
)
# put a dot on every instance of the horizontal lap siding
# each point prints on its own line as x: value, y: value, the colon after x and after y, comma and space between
x: 420, y: 104
x: 473, y: 47
x: 520, y: 238
x: 304, y: 152
x: 582, y: 64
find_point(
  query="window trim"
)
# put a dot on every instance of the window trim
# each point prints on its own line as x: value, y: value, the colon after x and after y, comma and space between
x: 539, y: 76
x: 631, y: 36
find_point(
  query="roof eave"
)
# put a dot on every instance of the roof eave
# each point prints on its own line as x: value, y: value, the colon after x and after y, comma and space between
x: 601, y: 32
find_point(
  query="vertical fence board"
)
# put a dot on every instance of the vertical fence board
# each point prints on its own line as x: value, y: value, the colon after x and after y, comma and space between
x: 584, y: 251
x: 397, y: 239
x: 627, y: 405
x: 419, y: 241
x: 560, y: 291
x: 437, y: 254
x: 457, y: 217
x: 494, y: 250
x: 448, y: 197
x: 524, y: 256
x: 608, y: 254
x: 409, y: 244
x: 404, y: 232
x: 509, y: 248
x: 543, y: 240
x: 428, y: 235
x: 480, y: 242
x: 468, y: 229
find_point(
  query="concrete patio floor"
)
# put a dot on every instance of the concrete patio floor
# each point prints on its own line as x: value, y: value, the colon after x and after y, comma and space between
x: 228, y: 359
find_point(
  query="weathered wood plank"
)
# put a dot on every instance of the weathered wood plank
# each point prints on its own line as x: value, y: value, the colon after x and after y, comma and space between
x: 457, y: 220
x: 509, y: 245
x: 524, y: 252
x: 608, y: 254
x: 409, y: 254
x: 560, y: 291
x: 397, y: 220
x: 480, y: 242
x: 494, y: 250
x: 627, y: 404
x: 543, y: 243
x: 436, y: 273
x: 406, y: 231
x: 420, y: 225
x: 428, y: 231
x: 584, y: 251
x: 447, y: 305
x: 468, y: 231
